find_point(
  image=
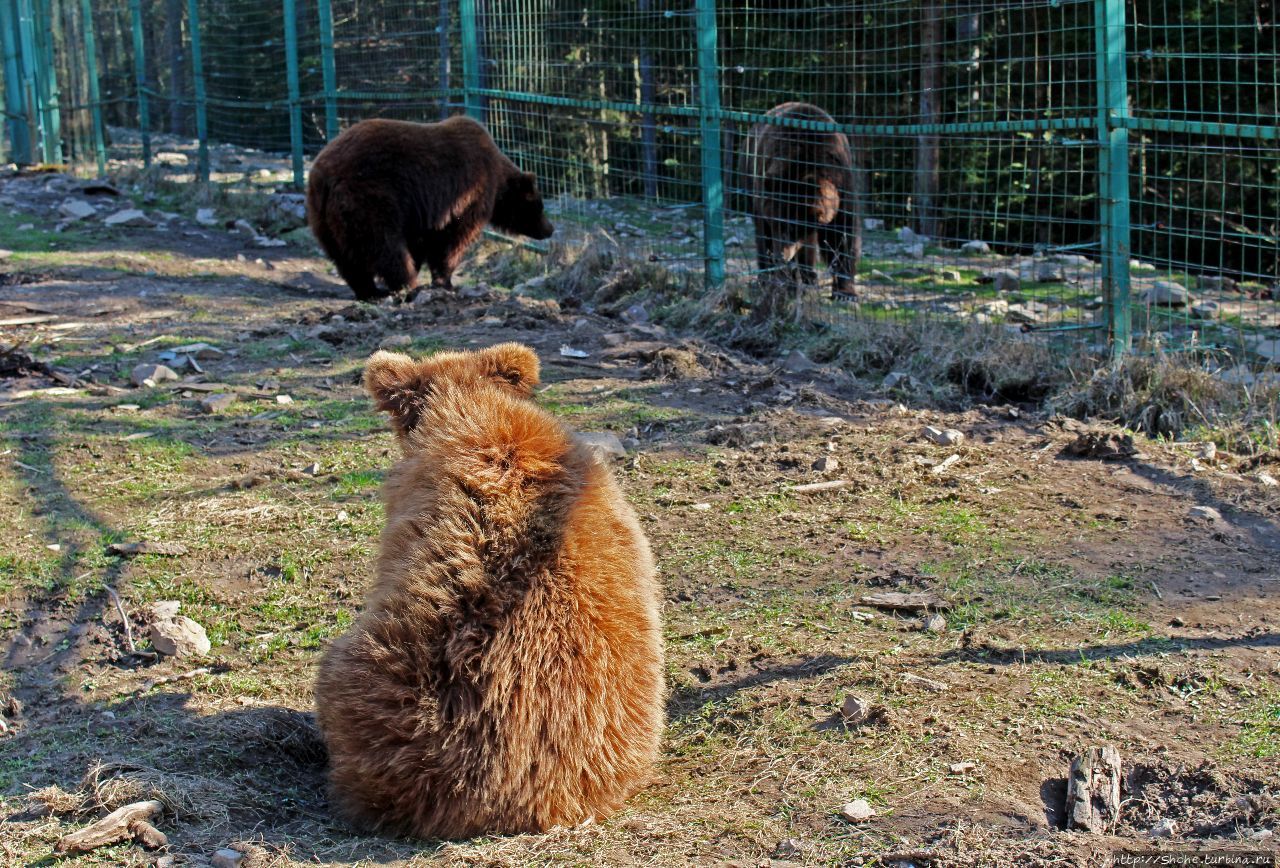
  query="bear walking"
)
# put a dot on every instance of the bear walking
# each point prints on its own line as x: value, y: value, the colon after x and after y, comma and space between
x: 506, y: 674
x: 386, y: 197
x: 803, y: 197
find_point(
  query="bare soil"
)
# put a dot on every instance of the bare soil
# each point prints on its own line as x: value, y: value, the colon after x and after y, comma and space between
x: 1085, y: 601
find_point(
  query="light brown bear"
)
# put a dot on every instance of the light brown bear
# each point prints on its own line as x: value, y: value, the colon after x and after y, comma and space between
x: 506, y: 674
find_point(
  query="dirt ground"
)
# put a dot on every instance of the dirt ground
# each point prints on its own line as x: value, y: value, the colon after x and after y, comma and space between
x: 1086, y: 600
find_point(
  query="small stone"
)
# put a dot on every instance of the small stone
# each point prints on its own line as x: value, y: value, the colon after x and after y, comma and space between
x: 127, y: 408
x: 163, y: 610
x: 604, y: 444
x: 788, y: 849
x: 1266, y: 479
x: 179, y: 637
x: 1208, y: 451
x: 171, y: 158
x: 950, y: 275
x: 392, y: 342
x: 284, y: 399
x: 701, y: 507
x: 614, y: 339
x: 151, y: 374
x: 933, y: 623
x: 962, y: 768
x: 1049, y: 273
x: 1166, y: 828
x: 218, y: 403
x: 206, y: 217
x: 826, y: 464
x: 1030, y: 312
x: 1004, y: 280
x: 906, y: 236
x: 76, y: 209
x: 635, y: 314
x: 941, y: 437
x: 1205, y: 512
x: 893, y: 379
x: 312, y: 469
x: 855, y: 710
x: 1175, y: 621
x: 1166, y: 293
x: 1218, y: 283
x: 226, y: 858
x: 857, y: 811
x: 872, y: 224
x: 797, y: 362
x: 129, y: 217
x: 975, y: 247
x: 1205, y: 310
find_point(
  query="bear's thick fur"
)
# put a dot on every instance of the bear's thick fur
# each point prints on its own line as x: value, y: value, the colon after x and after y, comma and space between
x: 386, y: 197
x: 506, y: 673
x: 803, y: 196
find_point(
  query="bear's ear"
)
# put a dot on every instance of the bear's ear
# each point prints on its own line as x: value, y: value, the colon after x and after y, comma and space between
x: 394, y: 381
x: 513, y: 365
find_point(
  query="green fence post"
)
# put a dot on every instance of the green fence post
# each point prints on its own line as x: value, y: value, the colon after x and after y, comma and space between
x: 709, y: 126
x: 197, y: 75
x: 95, y: 97
x: 470, y: 60
x: 14, y: 104
x: 140, y: 79
x: 295, y: 100
x: 328, y: 70
x: 1113, y: 169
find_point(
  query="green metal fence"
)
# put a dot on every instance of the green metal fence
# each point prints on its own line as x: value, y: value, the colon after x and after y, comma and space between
x: 1101, y: 171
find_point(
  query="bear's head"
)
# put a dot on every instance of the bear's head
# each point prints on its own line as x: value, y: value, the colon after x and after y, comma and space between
x: 518, y: 208
x: 404, y: 387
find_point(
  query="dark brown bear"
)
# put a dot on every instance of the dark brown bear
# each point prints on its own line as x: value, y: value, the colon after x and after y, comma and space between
x: 803, y: 198
x: 387, y: 197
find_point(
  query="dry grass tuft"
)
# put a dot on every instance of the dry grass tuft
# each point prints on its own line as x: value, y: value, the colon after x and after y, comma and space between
x: 107, y: 786
x: 1174, y: 395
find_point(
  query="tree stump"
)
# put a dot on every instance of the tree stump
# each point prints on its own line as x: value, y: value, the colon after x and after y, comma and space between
x: 1093, y: 790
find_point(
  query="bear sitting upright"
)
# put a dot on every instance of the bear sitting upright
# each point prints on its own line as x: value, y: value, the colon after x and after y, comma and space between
x: 387, y: 197
x: 506, y: 674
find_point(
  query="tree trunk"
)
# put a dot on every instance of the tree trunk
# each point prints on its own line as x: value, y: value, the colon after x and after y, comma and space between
x: 648, y: 128
x: 925, y: 196
x: 177, y: 65
x: 1093, y: 790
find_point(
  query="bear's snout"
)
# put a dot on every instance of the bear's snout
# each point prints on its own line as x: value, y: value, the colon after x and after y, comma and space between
x: 544, y: 231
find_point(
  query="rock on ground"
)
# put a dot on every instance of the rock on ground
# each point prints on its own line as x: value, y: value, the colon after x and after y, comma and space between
x: 151, y: 374
x: 179, y: 637
x: 129, y: 217
x: 604, y: 444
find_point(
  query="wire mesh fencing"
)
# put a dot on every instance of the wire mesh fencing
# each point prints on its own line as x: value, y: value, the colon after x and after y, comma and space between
x: 1101, y: 173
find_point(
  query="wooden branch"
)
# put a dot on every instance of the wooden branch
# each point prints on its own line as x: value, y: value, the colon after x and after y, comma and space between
x: 129, y: 821
x: 124, y: 617
x: 808, y: 488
